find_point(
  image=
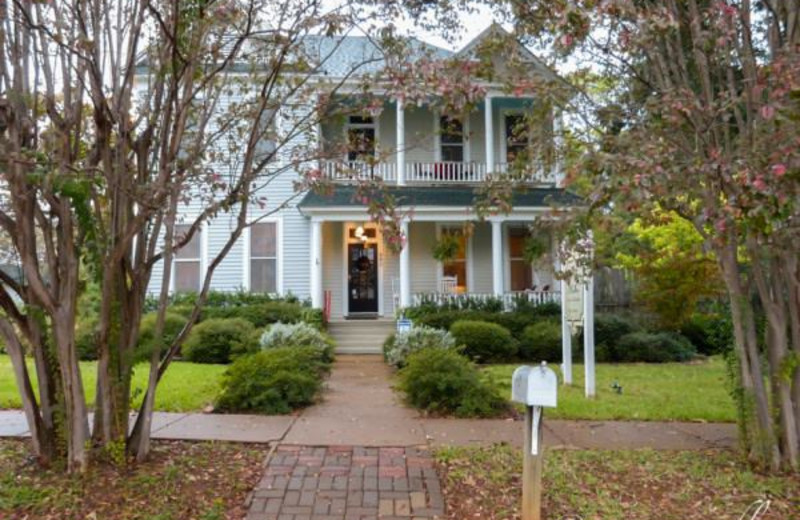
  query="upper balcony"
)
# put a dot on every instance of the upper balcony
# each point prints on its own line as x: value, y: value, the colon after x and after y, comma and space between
x: 426, y: 146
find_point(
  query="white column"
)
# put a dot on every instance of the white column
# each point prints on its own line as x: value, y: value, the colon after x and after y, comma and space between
x: 497, y: 257
x: 401, y: 143
x: 566, y: 337
x: 489, y: 128
x: 316, y: 264
x: 588, y: 335
x: 405, y: 268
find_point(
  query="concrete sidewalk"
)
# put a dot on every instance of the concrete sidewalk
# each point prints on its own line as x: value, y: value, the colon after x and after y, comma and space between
x: 361, y: 409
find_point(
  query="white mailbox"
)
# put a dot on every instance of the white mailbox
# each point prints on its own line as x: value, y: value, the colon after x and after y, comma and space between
x: 534, y: 386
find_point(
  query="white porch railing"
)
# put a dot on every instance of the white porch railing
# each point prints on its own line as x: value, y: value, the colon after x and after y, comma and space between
x: 445, y: 172
x: 509, y: 300
x: 359, y: 170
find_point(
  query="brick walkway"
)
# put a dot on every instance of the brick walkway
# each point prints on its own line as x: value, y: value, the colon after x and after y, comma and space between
x: 347, y: 483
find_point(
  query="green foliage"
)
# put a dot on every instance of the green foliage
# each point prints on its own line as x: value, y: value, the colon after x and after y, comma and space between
x: 709, y: 333
x: 483, y: 341
x: 429, y: 305
x: 534, y: 249
x: 541, y: 342
x: 275, y: 381
x: 259, y: 314
x: 222, y: 299
x: 514, y: 321
x: 216, y: 340
x: 297, y: 335
x: 399, y: 346
x: 672, y: 269
x: 173, y: 324
x: 647, y: 347
x: 441, y: 381
x: 446, y: 247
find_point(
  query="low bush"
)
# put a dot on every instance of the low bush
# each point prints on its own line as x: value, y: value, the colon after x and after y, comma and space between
x: 399, y: 346
x: 259, y: 314
x: 647, y: 347
x: 541, y: 342
x: 514, y: 321
x: 483, y: 341
x: 442, y: 381
x: 275, y: 381
x: 173, y: 324
x: 709, y: 333
x: 222, y: 299
x: 280, y: 335
x: 216, y: 340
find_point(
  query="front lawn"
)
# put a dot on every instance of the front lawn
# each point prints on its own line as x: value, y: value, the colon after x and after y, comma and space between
x: 643, y: 484
x: 182, y: 480
x: 650, y: 392
x: 186, y: 387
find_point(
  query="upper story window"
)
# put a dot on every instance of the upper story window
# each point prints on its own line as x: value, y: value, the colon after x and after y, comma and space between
x: 451, y: 139
x: 186, y: 261
x: 361, y: 138
x: 517, y: 137
x: 264, y: 257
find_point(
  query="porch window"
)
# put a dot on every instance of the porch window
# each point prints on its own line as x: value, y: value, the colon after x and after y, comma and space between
x: 451, y: 138
x: 521, y: 272
x: 186, y: 261
x: 457, y: 267
x: 264, y: 257
x: 361, y: 138
x: 517, y: 138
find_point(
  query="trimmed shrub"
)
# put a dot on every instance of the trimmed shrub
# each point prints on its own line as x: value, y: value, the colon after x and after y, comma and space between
x: 646, y: 347
x: 173, y: 324
x: 483, y: 341
x: 275, y: 381
x: 442, y: 381
x: 260, y: 314
x: 215, y: 340
x: 709, y: 333
x: 399, y: 346
x: 541, y: 342
x: 280, y: 335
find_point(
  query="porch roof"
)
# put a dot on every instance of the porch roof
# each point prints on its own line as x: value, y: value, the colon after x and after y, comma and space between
x: 439, y: 197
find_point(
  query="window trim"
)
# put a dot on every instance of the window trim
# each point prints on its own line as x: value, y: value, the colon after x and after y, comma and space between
x: 503, y: 113
x: 202, y: 257
x: 246, y: 269
x: 437, y: 137
x: 375, y: 125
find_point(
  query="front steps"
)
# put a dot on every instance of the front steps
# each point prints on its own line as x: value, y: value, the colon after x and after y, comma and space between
x: 360, y: 336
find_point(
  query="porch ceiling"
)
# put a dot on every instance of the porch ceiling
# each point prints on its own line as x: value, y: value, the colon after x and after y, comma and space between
x: 419, y: 197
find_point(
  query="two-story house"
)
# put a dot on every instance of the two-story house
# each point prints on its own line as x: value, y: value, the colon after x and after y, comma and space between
x: 324, y: 246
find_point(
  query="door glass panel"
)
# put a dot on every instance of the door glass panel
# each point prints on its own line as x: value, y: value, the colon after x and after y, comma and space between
x: 363, y: 277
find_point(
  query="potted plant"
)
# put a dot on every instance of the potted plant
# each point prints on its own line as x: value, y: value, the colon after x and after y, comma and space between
x: 534, y: 249
x: 446, y: 248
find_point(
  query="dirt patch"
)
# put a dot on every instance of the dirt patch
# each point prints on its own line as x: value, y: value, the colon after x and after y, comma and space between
x: 643, y: 484
x: 181, y: 480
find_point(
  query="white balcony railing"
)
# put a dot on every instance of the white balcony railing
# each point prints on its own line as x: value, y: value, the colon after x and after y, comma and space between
x: 509, y: 299
x: 359, y: 170
x: 441, y: 172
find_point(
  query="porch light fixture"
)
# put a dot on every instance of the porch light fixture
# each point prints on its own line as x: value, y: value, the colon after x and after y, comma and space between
x: 360, y: 232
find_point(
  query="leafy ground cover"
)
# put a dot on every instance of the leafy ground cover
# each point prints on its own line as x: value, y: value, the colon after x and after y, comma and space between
x: 695, y: 391
x: 201, y: 481
x: 185, y: 387
x: 485, y: 483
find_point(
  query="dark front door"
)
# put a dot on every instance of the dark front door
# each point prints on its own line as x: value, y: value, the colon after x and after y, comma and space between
x: 362, y: 275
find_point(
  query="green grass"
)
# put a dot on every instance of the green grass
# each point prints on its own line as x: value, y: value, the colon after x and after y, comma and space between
x: 185, y: 387
x: 650, y: 392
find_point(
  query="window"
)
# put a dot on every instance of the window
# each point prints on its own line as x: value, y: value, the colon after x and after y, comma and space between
x: 517, y: 138
x: 457, y: 267
x: 451, y: 138
x: 264, y: 257
x: 521, y: 272
x: 186, y: 265
x: 267, y: 143
x: 361, y: 138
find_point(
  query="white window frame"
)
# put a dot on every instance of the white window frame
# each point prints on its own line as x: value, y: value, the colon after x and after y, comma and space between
x: 246, y: 247
x: 437, y: 136
x: 502, y: 129
x: 375, y: 125
x: 440, y: 227
x: 203, y: 258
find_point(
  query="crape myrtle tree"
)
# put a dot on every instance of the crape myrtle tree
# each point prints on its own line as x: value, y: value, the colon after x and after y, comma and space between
x: 693, y: 107
x: 114, y: 114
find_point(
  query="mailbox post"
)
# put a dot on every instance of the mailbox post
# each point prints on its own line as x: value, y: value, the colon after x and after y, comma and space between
x: 536, y: 388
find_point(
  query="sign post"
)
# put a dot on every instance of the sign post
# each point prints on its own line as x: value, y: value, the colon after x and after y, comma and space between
x: 536, y: 388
